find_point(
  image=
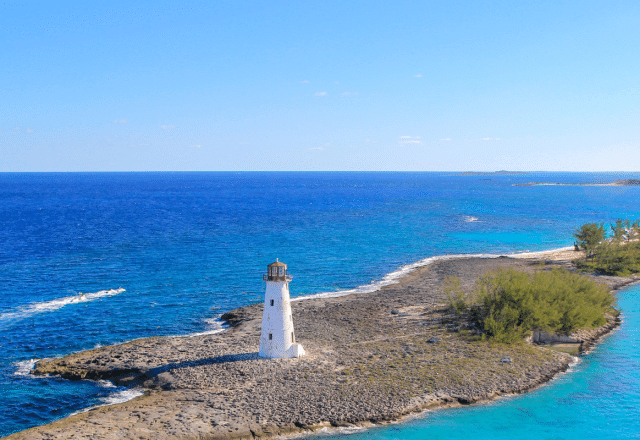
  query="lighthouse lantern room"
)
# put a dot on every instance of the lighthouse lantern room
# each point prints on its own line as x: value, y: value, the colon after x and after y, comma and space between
x: 277, y: 338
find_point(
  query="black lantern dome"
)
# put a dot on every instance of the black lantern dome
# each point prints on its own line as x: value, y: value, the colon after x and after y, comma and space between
x: 277, y: 272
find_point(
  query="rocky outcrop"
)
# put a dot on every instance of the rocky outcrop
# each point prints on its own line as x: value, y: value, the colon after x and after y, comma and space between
x: 371, y: 358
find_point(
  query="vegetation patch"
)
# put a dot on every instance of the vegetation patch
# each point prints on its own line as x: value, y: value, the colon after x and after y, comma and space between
x: 507, y: 304
x: 617, y: 255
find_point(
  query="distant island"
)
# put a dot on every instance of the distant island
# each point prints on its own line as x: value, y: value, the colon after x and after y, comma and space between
x: 626, y: 182
x: 493, y: 173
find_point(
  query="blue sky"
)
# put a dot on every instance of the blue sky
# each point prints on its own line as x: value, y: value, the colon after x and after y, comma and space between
x: 320, y: 85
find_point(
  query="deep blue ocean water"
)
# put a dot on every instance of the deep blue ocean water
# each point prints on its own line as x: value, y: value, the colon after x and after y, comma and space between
x: 187, y: 247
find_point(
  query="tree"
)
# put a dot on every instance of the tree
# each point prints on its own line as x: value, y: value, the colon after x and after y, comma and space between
x: 589, y: 236
x: 635, y: 229
x: 621, y: 229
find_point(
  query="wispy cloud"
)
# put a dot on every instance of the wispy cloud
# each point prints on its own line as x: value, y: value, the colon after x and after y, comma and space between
x: 321, y: 94
x: 306, y: 81
x: 196, y: 146
x: 29, y: 130
x: 419, y: 75
x: 317, y: 148
x: 349, y: 93
x: 409, y: 140
x: 490, y: 139
x: 120, y: 121
x: 167, y: 127
x: 445, y: 139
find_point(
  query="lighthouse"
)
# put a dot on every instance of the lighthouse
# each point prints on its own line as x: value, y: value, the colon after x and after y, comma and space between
x: 277, y: 339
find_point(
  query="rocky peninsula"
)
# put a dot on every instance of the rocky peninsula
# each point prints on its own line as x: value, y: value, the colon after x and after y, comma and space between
x: 372, y: 358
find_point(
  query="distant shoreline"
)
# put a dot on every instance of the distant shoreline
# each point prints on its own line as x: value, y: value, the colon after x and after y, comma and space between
x: 494, y: 173
x: 627, y: 182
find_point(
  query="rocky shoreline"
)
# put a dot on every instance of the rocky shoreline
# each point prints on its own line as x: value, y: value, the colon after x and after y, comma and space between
x: 373, y: 358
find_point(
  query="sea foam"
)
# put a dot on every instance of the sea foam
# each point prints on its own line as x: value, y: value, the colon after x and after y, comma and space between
x: 121, y: 396
x: 214, y: 325
x: 392, y: 277
x: 23, y: 368
x: 29, y: 310
x: 395, y: 276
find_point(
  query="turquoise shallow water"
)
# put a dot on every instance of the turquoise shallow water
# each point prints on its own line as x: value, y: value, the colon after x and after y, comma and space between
x: 187, y: 247
x: 596, y: 399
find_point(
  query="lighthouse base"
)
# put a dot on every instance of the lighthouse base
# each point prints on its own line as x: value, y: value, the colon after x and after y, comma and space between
x: 294, y: 351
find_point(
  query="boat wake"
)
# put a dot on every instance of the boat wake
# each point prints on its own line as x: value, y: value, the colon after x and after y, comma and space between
x: 29, y: 310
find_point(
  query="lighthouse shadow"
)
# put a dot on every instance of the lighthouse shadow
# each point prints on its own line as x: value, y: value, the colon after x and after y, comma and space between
x: 234, y: 358
x: 208, y: 361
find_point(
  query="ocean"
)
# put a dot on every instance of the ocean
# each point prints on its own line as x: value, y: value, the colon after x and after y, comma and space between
x: 91, y: 259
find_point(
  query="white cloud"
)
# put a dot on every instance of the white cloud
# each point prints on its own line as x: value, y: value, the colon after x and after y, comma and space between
x: 419, y: 75
x: 318, y: 148
x: 120, y: 121
x: 409, y: 140
x: 196, y: 146
x: 349, y: 93
x: 321, y: 94
x: 490, y: 139
x: 167, y: 127
x: 306, y: 81
x: 445, y: 139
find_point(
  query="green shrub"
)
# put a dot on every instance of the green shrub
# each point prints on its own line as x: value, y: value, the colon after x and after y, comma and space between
x: 456, y: 297
x: 508, y: 304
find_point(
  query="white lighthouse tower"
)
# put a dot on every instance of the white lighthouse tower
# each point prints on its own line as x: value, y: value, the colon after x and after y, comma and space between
x: 277, y: 339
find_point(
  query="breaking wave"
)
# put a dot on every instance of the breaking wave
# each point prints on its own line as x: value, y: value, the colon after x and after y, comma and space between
x: 23, y: 368
x: 214, y: 325
x: 395, y: 276
x: 392, y: 277
x: 122, y: 396
x: 114, y: 398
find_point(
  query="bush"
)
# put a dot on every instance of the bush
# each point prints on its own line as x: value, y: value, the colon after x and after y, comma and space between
x: 508, y: 304
x: 456, y: 297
